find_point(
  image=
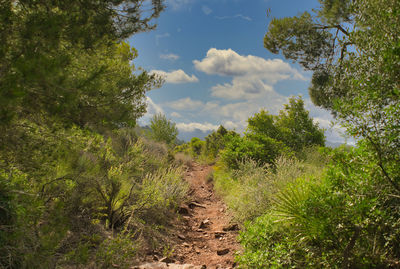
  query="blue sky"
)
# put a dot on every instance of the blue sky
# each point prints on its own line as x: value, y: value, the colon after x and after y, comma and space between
x: 216, y: 70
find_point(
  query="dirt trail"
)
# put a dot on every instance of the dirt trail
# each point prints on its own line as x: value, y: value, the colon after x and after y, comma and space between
x: 205, y: 237
x: 208, y: 229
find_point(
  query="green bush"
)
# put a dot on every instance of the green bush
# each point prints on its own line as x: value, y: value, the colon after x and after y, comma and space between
x: 250, y: 189
x: 163, y: 130
x: 348, y: 219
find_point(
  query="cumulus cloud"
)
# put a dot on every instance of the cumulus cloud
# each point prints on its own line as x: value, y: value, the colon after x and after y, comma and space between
x: 153, y: 108
x: 230, y: 63
x: 170, y: 56
x: 175, y: 77
x: 193, y: 126
x: 206, y: 10
x: 240, y: 88
x: 186, y: 104
x: 252, y: 76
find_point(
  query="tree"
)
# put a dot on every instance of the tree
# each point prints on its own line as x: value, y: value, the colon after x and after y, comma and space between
x: 297, y: 128
x: 353, y: 49
x: 42, y: 41
x: 293, y: 126
x: 163, y: 129
x: 215, y: 141
x: 66, y: 83
x: 349, y: 216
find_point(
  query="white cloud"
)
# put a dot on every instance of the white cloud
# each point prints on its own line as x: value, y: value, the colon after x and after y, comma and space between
x: 170, y: 56
x: 176, y: 77
x: 193, y: 126
x: 230, y: 63
x: 237, y: 16
x: 153, y: 108
x: 241, y: 89
x: 176, y: 115
x: 231, y: 125
x: 185, y: 104
x: 206, y: 10
x: 252, y: 76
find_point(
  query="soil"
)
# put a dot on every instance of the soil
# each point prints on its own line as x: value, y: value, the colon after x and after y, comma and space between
x: 205, y: 236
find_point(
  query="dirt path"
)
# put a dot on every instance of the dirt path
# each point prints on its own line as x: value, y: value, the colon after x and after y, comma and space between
x: 210, y: 238
x: 205, y: 237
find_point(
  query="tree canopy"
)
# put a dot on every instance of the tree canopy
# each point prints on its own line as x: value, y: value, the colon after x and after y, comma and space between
x: 353, y: 49
x: 163, y: 129
x: 53, y: 55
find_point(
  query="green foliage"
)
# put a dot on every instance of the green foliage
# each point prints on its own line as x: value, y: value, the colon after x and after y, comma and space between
x: 163, y: 130
x: 83, y: 185
x: 196, y: 146
x: 347, y: 219
x: 250, y: 189
x: 297, y: 129
x: 356, y: 76
x: 215, y: 141
x: 116, y: 252
x: 259, y: 148
x: 268, y: 136
x: 71, y: 166
x: 54, y: 55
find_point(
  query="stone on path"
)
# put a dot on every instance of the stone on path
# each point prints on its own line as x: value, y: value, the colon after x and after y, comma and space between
x: 223, y: 251
x: 163, y: 265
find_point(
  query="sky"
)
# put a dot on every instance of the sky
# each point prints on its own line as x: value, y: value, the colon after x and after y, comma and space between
x: 216, y: 69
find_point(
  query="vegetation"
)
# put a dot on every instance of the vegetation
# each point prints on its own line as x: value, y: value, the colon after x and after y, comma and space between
x: 79, y: 185
x: 268, y: 136
x: 163, y: 130
x: 347, y: 216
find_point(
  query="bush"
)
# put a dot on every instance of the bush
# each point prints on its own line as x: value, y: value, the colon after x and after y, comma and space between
x: 348, y: 219
x: 117, y: 252
x: 250, y: 189
x: 163, y: 130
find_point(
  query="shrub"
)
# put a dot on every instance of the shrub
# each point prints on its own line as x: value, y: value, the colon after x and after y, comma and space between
x: 250, y: 189
x: 162, y: 129
x: 347, y: 219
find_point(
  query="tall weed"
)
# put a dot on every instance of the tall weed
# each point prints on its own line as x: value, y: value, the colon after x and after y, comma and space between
x: 250, y: 189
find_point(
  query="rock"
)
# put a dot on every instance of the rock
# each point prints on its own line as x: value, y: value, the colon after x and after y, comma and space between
x: 219, y: 234
x: 232, y: 227
x: 222, y: 252
x: 182, y: 237
x: 194, y: 204
x: 161, y: 265
x: 183, y: 210
x: 167, y: 260
x: 186, y: 245
x: 204, y: 224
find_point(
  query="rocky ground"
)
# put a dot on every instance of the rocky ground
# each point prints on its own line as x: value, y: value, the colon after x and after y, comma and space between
x: 206, y: 237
